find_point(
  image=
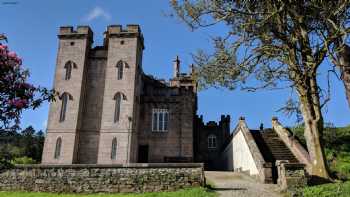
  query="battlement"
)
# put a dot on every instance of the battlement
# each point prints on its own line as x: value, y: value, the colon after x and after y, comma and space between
x: 118, y: 29
x: 225, y: 119
x: 79, y: 32
x: 130, y: 31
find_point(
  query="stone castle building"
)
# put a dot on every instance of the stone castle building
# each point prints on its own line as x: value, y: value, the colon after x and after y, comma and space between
x: 109, y: 111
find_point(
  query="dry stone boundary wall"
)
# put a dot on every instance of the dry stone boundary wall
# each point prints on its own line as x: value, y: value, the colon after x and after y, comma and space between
x: 102, y: 178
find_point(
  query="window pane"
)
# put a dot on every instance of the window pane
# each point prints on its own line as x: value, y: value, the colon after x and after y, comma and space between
x: 58, y: 148
x: 114, y: 149
x: 160, y: 123
x: 117, y: 107
x: 68, y: 68
x: 212, y: 141
x: 120, y: 70
x: 155, y: 121
x: 166, y: 116
x: 63, y: 107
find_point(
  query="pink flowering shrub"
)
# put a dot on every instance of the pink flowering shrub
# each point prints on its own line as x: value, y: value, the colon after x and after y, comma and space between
x: 16, y: 94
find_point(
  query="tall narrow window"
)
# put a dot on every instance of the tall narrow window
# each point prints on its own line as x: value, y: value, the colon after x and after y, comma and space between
x: 58, y: 148
x: 63, y: 107
x: 69, y: 66
x: 160, y: 119
x: 65, y: 97
x: 120, y: 66
x: 211, y: 141
x: 118, y: 97
x: 114, y: 149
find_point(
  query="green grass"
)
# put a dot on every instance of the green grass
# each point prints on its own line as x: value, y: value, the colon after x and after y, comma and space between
x: 194, y: 192
x: 328, y: 190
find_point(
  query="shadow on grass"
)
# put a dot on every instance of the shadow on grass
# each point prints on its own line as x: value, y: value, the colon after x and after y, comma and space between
x: 316, y: 180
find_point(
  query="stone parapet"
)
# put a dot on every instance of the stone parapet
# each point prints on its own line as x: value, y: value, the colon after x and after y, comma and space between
x: 292, y: 143
x: 291, y: 176
x: 88, y: 178
x: 80, y: 32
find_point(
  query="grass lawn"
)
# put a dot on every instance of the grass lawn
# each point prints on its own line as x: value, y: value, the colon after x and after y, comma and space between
x: 328, y: 190
x: 195, y: 192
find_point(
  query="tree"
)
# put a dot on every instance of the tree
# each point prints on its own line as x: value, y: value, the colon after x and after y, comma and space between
x: 16, y: 94
x: 275, y: 44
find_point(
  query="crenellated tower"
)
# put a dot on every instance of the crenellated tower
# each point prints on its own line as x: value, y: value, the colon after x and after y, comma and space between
x: 121, y: 94
x: 65, y: 116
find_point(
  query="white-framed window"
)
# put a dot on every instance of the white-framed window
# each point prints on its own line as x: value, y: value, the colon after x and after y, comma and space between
x: 160, y: 120
x: 211, y: 141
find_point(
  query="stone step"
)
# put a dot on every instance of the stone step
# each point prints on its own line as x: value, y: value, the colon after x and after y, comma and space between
x: 272, y: 147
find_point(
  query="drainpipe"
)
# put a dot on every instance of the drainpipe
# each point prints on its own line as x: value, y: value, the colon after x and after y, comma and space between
x: 128, y: 142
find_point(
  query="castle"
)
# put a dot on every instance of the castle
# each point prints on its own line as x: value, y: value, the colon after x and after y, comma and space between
x: 110, y: 112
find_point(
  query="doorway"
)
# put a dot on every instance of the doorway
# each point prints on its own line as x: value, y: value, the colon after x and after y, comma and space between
x: 143, y: 154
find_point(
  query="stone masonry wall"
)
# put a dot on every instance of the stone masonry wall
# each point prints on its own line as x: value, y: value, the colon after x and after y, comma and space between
x: 102, y: 178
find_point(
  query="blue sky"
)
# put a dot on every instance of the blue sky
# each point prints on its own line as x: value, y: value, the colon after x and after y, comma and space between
x: 32, y: 25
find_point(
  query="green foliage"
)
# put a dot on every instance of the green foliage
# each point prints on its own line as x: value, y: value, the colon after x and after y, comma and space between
x: 337, y: 148
x: 195, y: 192
x: 328, y: 190
x: 23, y: 160
x: 21, y: 148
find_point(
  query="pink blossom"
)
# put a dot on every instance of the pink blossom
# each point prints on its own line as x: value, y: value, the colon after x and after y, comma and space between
x: 3, y: 47
x: 12, y: 54
x: 18, y: 60
x: 18, y: 103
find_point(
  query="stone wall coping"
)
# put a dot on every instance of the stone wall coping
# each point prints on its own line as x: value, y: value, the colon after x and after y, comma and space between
x: 131, y: 165
x: 294, y: 165
x: 293, y: 144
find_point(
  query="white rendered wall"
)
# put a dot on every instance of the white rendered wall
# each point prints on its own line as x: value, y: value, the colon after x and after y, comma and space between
x: 242, y: 157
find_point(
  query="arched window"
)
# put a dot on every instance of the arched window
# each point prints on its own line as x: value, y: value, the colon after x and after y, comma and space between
x: 211, y: 141
x: 120, y: 66
x: 58, y: 148
x: 118, y: 97
x: 69, y: 66
x: 114, y: 149
x: 65, y: 96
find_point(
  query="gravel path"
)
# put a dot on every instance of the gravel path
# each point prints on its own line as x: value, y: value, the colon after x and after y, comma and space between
x: 232, y: 184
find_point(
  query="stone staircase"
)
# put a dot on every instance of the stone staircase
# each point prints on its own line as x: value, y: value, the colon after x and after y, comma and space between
x: 272, y: 147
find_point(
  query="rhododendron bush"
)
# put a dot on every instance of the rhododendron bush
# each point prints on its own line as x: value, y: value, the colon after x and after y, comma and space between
x: 16, y: 94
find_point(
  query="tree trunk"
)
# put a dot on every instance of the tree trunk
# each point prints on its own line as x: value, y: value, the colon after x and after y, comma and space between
x: 344, y: 68
x: 311, y: 111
